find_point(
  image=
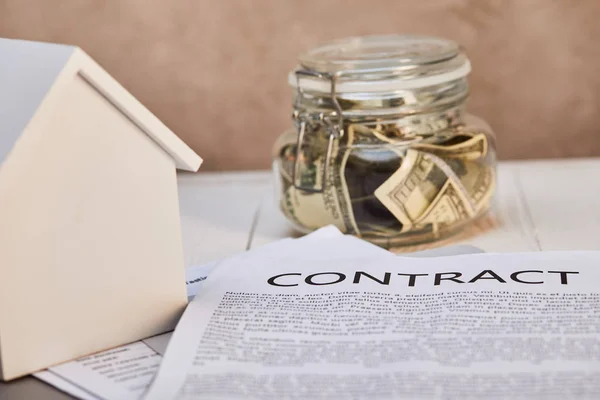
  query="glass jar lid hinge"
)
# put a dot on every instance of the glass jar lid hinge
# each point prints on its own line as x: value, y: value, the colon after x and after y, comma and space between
x: 334, y: 122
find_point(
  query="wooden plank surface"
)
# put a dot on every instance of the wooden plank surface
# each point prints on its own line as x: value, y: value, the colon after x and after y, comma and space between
x: 540, y: 205
x: 218, y: 212
x: 563, y: 203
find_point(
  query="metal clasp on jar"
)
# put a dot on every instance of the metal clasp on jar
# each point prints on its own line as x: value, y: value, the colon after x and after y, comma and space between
x: 334, y: 123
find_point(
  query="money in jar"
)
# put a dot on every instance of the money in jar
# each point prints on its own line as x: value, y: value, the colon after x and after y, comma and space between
x: 381, y: 144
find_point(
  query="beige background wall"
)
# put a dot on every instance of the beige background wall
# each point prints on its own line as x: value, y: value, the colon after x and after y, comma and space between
x: 215, y: 71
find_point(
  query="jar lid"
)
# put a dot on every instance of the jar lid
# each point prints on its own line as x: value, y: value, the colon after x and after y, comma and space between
x: 380, y: 63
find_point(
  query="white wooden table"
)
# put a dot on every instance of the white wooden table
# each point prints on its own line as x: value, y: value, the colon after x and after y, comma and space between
x: 541, y: 205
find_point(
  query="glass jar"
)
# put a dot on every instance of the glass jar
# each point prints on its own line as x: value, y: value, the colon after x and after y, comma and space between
x: 382, y: 146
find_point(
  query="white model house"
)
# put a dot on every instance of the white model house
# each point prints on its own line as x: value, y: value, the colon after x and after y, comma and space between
x: 90, y: 241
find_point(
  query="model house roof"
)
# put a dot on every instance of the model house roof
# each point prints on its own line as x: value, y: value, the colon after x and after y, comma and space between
x: 30, y: 70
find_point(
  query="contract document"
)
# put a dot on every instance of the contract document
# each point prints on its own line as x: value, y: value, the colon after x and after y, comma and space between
x: 491, y: 326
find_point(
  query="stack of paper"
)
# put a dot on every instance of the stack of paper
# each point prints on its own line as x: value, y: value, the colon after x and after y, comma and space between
x: 127, y: 371
x: 329, y: 316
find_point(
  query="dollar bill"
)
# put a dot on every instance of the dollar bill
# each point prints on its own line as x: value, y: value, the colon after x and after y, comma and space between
x: 464, y: 147
x: 331, y: 206
x: 478, y: 179
x: 286, y: 162
x: 388, y: 139
x: 417, y: 125
x: 394, y: 239
x: 449, y: 206
x: 337, y: 178
x: 410, y: 191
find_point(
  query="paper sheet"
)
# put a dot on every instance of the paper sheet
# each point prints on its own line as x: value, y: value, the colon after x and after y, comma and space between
x: 195, y: 277
x: 64, y: 385
x: 446, y: 251
x: 521, y: 320
x: 121, y: 373
x: 80, y: 381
